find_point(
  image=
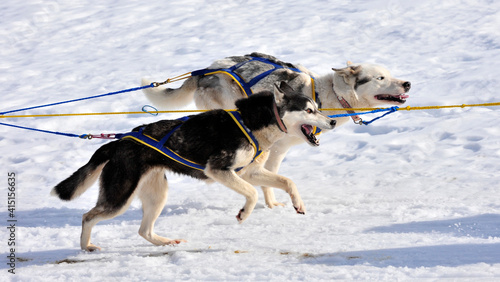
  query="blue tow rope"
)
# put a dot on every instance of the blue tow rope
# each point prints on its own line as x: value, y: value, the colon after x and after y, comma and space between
x: 388, y: 110
x: 86, y: 136
x: 83, y: 136
x: 45, y: 131
x: 81, y: 99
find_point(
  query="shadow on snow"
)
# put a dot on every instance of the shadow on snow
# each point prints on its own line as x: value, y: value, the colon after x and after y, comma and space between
x: 482, y: 226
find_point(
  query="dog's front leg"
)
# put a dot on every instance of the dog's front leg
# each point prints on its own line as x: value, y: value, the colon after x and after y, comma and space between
x: 262, y: 176
x: 276, y: 155
x: 273, y: 164
x: 230, y: 179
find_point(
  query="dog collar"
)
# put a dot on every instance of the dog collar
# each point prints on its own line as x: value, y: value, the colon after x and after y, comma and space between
x: 355, y: 118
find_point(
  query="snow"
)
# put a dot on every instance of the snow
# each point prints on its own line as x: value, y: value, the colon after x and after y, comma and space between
x: 412, y: 196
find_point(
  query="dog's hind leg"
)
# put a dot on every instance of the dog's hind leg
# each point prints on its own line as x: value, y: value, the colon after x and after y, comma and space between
x: 153, y: 194
x: 115, y: 195
x: 91, y: 218
x: 233, y: 181
x: 217, y: 91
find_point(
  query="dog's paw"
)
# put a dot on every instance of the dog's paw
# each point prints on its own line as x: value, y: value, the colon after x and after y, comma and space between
x: 242, y: 215
x: 175, y: 242
x: 274, y: 204
x: 92, y: 248
x: 299, y: 207
x: 162, y: 241
x: 299, y: 211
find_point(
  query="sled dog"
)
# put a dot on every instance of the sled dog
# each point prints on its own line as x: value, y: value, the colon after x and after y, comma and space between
x: 355, y: 86
x: 223, y: 146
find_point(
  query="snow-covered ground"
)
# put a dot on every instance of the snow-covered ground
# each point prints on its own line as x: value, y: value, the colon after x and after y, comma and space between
x: 415, y: 195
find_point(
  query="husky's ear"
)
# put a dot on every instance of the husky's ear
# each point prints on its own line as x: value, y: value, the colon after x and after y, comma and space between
x: 278, y: 94
x: 349, y: 73
x: 348, y: 76
x: 281, y: 90
x: 350, y: 70
x: 285, y: 87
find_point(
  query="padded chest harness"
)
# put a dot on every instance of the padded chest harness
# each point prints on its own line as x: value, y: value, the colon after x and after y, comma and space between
x: 246, y: 87
x: 159, y: 146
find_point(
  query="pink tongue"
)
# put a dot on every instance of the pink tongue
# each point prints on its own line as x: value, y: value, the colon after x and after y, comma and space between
x: 404, y: 96
x: 307, y: 128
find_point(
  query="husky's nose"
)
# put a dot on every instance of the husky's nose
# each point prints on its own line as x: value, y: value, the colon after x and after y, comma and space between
x: 333, y: 123
x: 407, y: 86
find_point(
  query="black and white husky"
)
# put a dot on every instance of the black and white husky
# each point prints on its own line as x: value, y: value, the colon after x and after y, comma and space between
x: 214, y: 140
x: 355, y: 86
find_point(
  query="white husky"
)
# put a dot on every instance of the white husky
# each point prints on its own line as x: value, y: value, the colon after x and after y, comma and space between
x: 229, y: 79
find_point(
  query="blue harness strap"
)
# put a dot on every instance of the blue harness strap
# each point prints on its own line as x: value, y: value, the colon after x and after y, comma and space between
x: 160, y: 147
x: 247, y: 86
x: 259, y: 77
x: 228, y: 71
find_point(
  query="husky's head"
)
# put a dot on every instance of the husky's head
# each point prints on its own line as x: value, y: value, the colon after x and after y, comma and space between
x: 371, y: 85
x: 300, y: 113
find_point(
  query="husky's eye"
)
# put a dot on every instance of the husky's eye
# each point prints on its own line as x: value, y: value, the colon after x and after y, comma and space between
x: 309, y: 111
x: 380, y: 78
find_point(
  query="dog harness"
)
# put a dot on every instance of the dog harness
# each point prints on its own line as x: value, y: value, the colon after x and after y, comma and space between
x: 159, y: 145
x: 246, y: 87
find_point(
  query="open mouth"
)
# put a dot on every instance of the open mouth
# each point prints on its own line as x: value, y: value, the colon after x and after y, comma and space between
x: 307, y: 130
x: 399, y: 99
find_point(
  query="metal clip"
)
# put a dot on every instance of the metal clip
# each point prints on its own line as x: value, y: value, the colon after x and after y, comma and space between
x: 156, y: 84
x: 360, y: 121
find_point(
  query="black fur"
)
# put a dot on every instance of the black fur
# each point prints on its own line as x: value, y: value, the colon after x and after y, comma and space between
x: 66, y: 188
x: 208, y: 138
x: 257, y: 120
x: 361, y: 81
x: 299, y: 101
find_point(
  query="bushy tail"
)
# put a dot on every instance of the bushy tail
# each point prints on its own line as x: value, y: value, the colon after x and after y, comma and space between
x: 168, y: 98
x: 84, y: 177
